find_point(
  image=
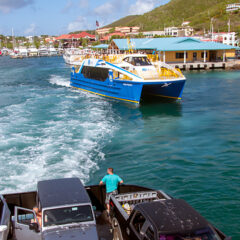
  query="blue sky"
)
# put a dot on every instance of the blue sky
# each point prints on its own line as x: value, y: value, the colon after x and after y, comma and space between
x: 55, y: 17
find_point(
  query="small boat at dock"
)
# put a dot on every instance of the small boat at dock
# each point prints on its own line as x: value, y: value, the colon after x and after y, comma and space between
x: 131, y: 79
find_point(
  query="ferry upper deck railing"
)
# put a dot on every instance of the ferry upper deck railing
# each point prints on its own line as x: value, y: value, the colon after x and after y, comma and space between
x: 163, y: 70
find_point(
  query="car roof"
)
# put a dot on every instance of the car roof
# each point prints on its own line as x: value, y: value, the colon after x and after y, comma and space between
x: 173, y: 216
x: 64, y: 191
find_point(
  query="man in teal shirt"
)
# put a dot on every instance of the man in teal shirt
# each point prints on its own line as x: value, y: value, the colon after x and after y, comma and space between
x: 111, y: 180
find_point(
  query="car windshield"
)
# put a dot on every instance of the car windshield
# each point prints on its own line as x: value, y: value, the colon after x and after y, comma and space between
x: 205, y: 234
x: 67, y: 215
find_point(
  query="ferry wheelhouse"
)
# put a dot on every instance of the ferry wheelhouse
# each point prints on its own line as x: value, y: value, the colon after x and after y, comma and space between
x: 131, y: 79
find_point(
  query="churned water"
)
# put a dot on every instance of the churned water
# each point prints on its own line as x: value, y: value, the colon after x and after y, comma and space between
x: 190, y: 148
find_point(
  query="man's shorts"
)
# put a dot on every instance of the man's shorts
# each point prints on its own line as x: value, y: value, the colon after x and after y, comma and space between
x: 108, y: 195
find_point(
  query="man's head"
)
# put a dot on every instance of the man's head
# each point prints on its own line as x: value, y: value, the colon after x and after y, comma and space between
x: 110, y: 170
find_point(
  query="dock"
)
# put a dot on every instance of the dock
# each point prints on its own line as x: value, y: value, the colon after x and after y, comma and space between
x: 205, y: 65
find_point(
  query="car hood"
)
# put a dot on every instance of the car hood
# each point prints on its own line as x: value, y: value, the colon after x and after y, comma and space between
x: 85, y: 232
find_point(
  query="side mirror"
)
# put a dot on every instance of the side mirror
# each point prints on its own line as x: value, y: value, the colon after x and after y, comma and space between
x: 3, y: 228
x: 34, y: 226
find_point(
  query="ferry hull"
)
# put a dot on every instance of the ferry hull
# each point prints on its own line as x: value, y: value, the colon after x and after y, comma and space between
x: 117, y: 89
x: 171, y: 89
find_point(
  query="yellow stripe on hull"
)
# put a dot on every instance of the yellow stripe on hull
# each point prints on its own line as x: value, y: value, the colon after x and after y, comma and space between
x: 106, y: 95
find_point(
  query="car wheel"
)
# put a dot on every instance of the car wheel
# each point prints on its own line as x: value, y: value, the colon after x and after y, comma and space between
x: 117, y: 233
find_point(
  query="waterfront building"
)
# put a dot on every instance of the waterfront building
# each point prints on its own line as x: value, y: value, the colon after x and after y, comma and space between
x: 70, y: 40
x: 178, y: 49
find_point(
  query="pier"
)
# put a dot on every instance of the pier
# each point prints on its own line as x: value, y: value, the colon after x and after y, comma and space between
x: 205, y: 65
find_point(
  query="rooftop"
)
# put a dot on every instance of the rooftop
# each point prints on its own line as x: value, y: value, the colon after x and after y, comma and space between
x: 170, y: 44
x: 75, y: 36
x: 59, y: 192
x: 173, y: 216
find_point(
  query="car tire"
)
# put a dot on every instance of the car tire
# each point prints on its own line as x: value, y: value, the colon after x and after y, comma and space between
x: 117, y: 233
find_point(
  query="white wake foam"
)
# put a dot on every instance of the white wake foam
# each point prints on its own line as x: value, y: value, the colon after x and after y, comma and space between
x: 63, y: 140
x: 60, y: 81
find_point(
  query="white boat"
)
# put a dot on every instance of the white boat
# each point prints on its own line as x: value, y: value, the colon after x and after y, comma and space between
x: 73, y: 56
x: 32, y: 51
x: 52, y: 51
x: 43, y: 51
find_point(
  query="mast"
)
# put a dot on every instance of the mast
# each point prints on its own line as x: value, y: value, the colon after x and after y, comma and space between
x: 13, y: 40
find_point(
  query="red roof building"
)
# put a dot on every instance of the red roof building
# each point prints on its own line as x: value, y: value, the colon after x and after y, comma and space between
x: 76, y: 36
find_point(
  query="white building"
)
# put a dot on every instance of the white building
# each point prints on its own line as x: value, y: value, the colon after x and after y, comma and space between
x: 233, y: 7
x: 127, y: 29
x: 179, y: 32
x: 153, y: 33
x: 226, y: 38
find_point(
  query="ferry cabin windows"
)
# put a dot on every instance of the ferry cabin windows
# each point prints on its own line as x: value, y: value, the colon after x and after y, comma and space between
x: 96, y: 73
x: 138, y: 61
x: 180, y: 55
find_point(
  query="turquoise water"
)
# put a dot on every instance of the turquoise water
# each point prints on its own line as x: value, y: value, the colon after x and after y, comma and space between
x: 190, y: 149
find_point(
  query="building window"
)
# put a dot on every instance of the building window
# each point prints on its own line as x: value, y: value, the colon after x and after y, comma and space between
x: 202, y: 54
x: 180, y: 55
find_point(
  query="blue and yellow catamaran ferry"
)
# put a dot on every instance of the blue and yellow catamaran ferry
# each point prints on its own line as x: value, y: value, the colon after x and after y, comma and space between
x: 131, y: 79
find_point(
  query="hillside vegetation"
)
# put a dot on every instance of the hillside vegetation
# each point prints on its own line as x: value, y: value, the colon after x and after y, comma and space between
x: 123, y: 21
x: 198, y: 12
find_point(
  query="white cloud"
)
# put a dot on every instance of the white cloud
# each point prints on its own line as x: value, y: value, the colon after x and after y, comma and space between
x: 106, y: 8
x: 8, y: 5
x: 142, y: 6
x: 31, y: 29
x: 81, y: 23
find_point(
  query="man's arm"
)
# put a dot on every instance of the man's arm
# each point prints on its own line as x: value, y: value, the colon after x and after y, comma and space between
x: 120, y: 181
x: 102, y: 181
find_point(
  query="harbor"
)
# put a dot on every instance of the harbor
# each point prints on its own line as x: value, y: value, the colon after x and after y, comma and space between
x: 119, y: 120
x: 50, y: 129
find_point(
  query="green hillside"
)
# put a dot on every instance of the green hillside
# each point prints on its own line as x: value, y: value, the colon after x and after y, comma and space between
x: 123, y: 21
x: 198, y: 12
